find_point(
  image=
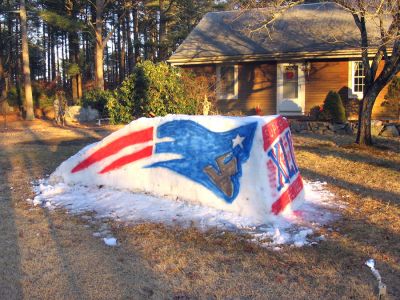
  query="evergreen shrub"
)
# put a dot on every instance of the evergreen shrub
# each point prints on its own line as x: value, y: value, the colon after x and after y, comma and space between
x: 160, y: 90
x: 333, y: 109
x: 121, y: 108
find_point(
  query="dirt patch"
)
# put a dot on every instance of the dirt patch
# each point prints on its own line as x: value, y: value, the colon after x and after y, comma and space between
x: 55, y: 255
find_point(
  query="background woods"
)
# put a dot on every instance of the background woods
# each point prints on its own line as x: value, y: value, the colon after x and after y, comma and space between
x: 76, y: 45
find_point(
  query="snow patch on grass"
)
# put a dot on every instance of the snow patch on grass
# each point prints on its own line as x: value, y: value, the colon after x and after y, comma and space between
x: 295, y: 228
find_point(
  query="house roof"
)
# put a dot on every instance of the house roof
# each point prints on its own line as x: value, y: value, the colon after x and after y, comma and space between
x: 303, y: 31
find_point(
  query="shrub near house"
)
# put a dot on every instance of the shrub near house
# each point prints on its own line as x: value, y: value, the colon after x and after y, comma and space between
x: 152, y: 90
x: 333, y: 108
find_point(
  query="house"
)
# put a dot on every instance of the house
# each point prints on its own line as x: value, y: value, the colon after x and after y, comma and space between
x: 287, y: 67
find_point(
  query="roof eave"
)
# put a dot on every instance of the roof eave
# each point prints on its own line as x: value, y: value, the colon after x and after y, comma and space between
x: 353, y: 53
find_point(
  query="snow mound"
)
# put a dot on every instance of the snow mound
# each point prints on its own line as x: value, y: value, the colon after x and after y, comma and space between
x: 241, y: 165
x: 295, y: 228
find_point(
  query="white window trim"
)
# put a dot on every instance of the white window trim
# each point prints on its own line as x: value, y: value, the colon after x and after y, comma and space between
x: 352, y: 93
x: 235, y: 95
x: 301, y: 92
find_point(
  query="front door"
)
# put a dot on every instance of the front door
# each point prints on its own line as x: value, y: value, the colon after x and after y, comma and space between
x: 290, y: 89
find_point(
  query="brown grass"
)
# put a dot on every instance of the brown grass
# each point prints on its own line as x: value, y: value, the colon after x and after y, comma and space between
x: 54, y: 255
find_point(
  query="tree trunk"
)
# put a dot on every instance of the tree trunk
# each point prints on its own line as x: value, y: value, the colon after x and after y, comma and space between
x: 44, y: 45
x: 364, y: 124
x: 25, y: 64
x: 136, y: 35
x: 74, y: 59
x: 53, y: 54
x: 364, y: 136
x: 99, y: 59
x: 129, y: 42
x: 3, y: 84
x: 122, y: 65
x: 162, y: 45
x: 48, y: 44
x: 3, y: 90
x: 18, y: 68
x: 99, y: 62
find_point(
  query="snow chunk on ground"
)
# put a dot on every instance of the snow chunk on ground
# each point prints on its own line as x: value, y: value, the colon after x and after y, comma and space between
x: 112, y: 242
x: 289, y: 228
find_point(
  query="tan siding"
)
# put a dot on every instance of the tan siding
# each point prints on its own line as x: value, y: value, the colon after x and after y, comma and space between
x: 257, y: 86
x: 326, y: 76
x: 380, y: 110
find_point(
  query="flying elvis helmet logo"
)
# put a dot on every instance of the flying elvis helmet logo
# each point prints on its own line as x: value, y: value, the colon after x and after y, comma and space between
x: 212, y: 159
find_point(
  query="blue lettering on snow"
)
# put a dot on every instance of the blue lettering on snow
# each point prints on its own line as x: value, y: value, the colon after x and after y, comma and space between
x: 287, y: 168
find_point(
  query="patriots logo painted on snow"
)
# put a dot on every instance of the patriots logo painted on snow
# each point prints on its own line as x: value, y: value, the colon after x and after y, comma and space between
x: 212, y: 159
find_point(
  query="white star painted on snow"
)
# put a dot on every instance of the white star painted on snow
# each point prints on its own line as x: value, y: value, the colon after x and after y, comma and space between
x: 237, y: 141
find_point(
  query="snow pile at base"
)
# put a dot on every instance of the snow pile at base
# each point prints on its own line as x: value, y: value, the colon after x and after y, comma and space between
x: 294, y: 228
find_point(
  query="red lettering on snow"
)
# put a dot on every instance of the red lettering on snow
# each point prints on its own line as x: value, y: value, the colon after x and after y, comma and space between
x: 273, y: 130
x: 288, y: 196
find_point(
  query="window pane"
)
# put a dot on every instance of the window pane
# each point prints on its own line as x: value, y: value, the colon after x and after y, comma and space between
x: 227, y: 81
x: 358, y: 77
x: 290, y: 82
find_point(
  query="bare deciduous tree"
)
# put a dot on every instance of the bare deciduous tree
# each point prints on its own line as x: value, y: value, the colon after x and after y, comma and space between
x: 384, y: 15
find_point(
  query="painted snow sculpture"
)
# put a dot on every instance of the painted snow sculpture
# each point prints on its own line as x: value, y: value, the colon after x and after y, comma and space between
x: 245, y: 165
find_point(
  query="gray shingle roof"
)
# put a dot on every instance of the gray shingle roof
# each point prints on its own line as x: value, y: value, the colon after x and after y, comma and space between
x: 308, y: 28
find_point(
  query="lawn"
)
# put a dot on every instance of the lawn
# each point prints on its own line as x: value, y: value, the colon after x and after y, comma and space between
x: 55, y: 256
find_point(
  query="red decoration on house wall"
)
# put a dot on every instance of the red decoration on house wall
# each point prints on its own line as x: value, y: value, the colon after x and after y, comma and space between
x: 289, y: 75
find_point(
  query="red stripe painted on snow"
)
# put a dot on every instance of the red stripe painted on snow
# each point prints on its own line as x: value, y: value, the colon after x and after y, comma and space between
x: 288, y: 196
x: 127, y: 159
x: 114, y: 147
x: 273, y: 130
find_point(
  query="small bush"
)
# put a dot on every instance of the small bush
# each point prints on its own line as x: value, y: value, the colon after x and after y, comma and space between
x: 121, y: 107
x: 160, y: 90
x: 14, y: 99
x: 199, y: 92
x: 333, y: 108
x: 43, y: 93
x: 98, y: 99
x: 154, y: 90
x: 315, y: 112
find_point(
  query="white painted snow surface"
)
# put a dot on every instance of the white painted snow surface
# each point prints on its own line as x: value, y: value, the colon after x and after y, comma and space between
x: 112, y: 242
x: 295, y: 228
x: 258, y: 188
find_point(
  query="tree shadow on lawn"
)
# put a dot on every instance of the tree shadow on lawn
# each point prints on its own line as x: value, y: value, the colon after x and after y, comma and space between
x: 90, y: 269
x: 325, y: 150
x: 333, y: 269
x: 124, y: 271
x: 372, y: 229
x: 348, y: 142
x: 357, y: 188
x: 10, y: 256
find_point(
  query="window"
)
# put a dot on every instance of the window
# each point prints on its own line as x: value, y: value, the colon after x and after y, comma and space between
x: 227, y: 79
x: 290, y: 82
x: 357, y: 78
